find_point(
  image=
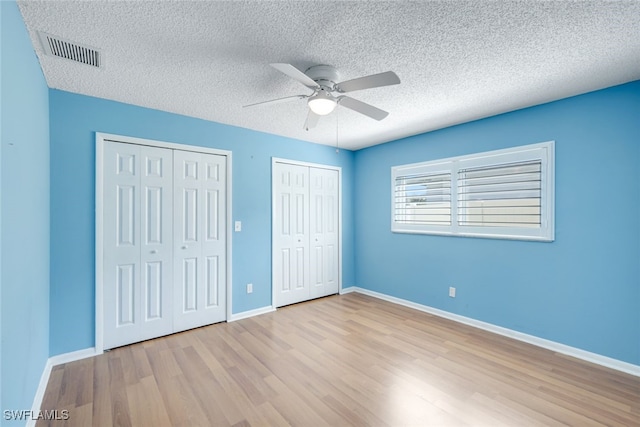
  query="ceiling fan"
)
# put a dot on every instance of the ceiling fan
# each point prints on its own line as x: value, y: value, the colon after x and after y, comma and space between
x: 321, y: 79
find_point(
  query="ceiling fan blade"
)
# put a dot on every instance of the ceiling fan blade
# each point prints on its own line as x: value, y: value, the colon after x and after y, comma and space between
x: 367, y: 82
x: 312, y: 120
x: 362, y: 108
x: 296, y: 74
x: 277, y: 101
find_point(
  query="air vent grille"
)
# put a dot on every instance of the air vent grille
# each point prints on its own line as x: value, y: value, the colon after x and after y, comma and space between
x: 56, y: 46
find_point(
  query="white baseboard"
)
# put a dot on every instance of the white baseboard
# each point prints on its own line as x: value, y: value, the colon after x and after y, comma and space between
x: 251, y: 313
x: 598, y: 359
x: 73, y: 356
x: 42, y: 387
x: 46, y: 373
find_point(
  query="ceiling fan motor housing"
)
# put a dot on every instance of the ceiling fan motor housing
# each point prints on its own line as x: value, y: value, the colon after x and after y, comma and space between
x: 325, y: 75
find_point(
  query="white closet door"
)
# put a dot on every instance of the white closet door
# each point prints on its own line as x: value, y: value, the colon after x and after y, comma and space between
x: 137, y: 243
x: 324, y: 257
x: 291, y: 233
x: 199, y: 239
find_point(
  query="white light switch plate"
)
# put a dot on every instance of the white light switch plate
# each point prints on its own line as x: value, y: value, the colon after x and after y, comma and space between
x: 238, y: 226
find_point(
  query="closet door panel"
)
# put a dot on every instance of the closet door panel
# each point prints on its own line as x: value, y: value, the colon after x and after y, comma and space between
x: 156, y: 246
x: 199, y: 239
x: 214, y: 238
x: 156, y: 226
x: 121, y: 278
x: 187, y: 246
x: 135, y: 281
x: 324, y: 267
x: 291, y: 233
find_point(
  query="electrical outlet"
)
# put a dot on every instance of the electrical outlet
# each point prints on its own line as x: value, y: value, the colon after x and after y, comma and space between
x: 452, y: 292
x: 249, y: 288
x: 238, y: 226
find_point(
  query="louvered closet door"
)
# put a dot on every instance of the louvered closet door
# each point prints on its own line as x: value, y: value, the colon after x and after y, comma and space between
x: 323, y: 219
x: 199, y: 239
x: 138, y: 258
x: 291, y: 233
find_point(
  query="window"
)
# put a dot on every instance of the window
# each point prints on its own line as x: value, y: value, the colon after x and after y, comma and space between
x: 499, y: 194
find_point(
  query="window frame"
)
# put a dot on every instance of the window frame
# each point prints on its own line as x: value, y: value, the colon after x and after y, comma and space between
x: 543, y: 152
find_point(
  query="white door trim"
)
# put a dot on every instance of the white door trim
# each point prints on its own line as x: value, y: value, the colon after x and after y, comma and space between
x: 100, y: 140
x: 275, y: 160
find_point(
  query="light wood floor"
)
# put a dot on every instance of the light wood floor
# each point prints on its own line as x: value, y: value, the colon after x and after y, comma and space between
x: 348, y: 360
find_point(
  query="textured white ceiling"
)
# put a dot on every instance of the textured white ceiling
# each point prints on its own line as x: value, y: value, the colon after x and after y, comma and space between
x: 457, y: 60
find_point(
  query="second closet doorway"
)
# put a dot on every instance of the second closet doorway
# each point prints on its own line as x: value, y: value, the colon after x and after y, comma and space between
x: 306, y: 231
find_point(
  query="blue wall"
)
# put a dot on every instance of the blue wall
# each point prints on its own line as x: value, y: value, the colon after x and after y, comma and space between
x: 24, y: 230
x: 582, y: 290
x: 74, y: 121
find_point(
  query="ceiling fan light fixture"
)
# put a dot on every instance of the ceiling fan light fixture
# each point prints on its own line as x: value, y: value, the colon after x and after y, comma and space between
x: 322, y: 103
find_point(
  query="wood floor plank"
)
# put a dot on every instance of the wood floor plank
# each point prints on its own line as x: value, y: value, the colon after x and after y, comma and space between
x: 265, y: 415
x: 301, y: 414
x: 67, y: 391
x: 349, y: 360
x: 141, y: 361
x: 208, y: 398
x: 181, y: 404
x: 163, y: 362
x: 145, y: 404
x: 82, y: 416
x: 120, y: 413
x: 52, y: 393
x: 101, y: 405
x: 128, y: 364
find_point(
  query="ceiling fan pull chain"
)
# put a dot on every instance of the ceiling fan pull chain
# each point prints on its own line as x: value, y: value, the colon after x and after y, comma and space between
x: 337, y: 148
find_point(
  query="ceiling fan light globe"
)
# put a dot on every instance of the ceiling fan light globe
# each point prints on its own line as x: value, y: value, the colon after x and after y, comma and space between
x: 322, y: 106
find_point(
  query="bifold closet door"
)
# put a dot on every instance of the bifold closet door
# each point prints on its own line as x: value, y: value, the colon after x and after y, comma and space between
x: 305, y: 233
x: 138, y: 259
x: 164, y: 241
x: 291, y: 233
x: 199, y: 239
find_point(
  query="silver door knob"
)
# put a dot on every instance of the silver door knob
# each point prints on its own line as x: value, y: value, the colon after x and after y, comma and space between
x: 154, y: 251
x: 184, y: 247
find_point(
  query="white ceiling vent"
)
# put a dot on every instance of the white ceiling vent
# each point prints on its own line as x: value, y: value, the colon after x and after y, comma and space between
x: 62, y: 48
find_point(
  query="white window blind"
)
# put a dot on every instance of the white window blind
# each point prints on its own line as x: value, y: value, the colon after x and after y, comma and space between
x: 423, y: 199
x: 499, y: 194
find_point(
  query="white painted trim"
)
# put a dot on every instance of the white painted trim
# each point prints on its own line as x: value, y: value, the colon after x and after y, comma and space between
x: 99, y: 229
x: 339, y: 169
x: 161, y: 144
x: 46, y: 373
x: 39, y: 396
x: 229, y: 242
x: 73, y: 356
x: 598, y: 359
x: 275, y: 160
x: 251, y: 313
x: 99, y: 248
x: 308, y: 164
